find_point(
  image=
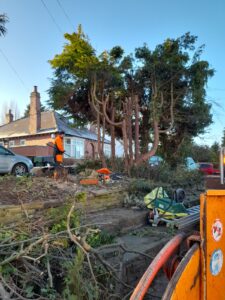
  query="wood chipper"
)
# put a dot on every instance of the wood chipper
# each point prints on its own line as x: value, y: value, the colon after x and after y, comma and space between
x: 194, y: 264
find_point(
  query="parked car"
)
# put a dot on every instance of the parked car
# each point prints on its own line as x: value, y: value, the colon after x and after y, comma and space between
x: 191, y: 165
x: 155, y: 160
x: 208, y: 168
x: 13, y: 163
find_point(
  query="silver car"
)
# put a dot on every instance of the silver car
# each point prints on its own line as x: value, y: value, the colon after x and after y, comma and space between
x: 13, y: 163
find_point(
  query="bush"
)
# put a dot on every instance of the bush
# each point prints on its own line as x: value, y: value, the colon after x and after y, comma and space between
x: 88, y: 164
x: 156, y: 173
x: 164, y: 173
x: 119, y: 164
x: 97, y: 239
x: 164, y: 176
x: 141, y: 187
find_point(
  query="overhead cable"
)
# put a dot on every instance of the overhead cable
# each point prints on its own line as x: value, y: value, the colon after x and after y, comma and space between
x: 13, y: 69
x: 64, y: 12
x: 52, y: 17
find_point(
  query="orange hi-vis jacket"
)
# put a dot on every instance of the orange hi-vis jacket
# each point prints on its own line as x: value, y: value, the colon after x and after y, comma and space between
x: 59, y: 146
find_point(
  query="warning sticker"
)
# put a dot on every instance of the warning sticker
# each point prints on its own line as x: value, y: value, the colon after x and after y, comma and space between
x: 217, y: 230
x: 216, y: 262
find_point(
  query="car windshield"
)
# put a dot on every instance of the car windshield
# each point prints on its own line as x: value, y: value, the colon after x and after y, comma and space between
x: 205, y: 166
x: 4, y: 151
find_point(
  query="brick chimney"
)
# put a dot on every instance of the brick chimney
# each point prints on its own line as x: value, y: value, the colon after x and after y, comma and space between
x: 9, y: 117
x: 35, y: 112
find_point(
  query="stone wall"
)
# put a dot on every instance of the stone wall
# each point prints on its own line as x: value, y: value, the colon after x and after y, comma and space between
x: 96, y: 201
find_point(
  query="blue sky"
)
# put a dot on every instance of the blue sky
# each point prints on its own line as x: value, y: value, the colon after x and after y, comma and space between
x: 36, y: 27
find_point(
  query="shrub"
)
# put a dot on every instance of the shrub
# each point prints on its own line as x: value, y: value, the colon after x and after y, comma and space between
x: 156, y: 173
x: 171, y: 179
x: 88, y: 164
x: 118, y: 164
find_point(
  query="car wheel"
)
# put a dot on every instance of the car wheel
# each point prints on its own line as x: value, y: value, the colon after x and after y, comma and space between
x: 19, y: 169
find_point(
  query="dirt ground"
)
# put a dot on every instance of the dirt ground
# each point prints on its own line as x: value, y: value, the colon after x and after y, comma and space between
x: 28, y: 189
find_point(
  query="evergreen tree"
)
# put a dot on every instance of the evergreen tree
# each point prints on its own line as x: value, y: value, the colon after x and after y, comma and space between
x: 3, y: 20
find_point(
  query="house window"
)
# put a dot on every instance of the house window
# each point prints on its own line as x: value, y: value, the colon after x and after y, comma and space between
x: 74, y: 147
x: 11, y: 144
x: 22, y: 142
x: 67, y: 146
x: 107, y: 150
x: 79, y: 148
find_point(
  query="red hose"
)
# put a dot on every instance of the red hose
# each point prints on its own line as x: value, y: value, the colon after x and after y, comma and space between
x: 146, y: 280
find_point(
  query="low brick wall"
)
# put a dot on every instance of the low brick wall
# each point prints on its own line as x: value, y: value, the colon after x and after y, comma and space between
x: 33, y: 150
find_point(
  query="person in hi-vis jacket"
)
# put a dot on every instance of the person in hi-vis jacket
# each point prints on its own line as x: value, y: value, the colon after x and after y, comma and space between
x: 59, y: 148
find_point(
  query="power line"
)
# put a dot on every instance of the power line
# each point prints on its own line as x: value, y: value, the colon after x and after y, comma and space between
x: 51, y: 16
x: 13, y: 69
x: 65, y: 14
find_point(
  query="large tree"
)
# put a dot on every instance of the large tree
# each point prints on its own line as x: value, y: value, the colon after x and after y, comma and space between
x: 159, y: 93
x: 3, y: 21
x: 79, y: 72
x: 174, y: 79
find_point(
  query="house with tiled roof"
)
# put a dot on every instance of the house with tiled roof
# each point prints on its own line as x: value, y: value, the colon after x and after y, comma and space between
x: 31, y: 135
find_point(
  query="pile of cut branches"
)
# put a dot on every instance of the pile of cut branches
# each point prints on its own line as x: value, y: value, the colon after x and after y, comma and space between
x: 38, y: 254
x: 53, y: 256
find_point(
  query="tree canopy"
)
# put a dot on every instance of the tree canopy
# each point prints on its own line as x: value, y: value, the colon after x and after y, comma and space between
x: 3, y: 20
x: 176, y: 62
x: 169, y: 81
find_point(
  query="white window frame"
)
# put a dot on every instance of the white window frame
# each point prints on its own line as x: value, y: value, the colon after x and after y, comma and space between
x: 11, y: 143
x: 22, y: 142
x: 74, y: 147
x: 107, y: 150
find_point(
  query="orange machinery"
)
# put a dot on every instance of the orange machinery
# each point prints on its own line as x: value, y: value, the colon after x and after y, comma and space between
x: 199, y: 273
